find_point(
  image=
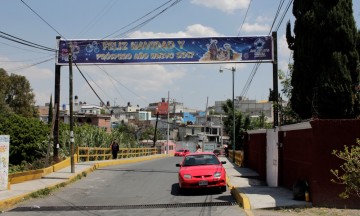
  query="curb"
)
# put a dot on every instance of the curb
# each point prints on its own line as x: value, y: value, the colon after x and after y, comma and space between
x: 240, y: 198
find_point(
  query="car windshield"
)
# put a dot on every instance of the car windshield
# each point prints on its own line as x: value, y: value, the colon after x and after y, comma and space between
x: 203, y: 159
x: 181, y: 150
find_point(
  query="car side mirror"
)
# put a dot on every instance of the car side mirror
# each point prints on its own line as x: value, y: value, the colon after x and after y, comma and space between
x: 223, y: 162
x: 178, y: 165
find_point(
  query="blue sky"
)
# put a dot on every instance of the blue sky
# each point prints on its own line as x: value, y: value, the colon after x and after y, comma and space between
x: 191, y: 84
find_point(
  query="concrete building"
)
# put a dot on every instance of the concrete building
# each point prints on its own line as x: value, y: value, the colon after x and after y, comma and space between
x: 101, y: 121
x: 252, y: 108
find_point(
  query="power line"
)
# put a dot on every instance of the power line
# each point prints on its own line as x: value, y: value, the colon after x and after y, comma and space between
x: 123, y: 85
x: 92, y: 87
x: 137, y: 19
x: 257, y: 65
x: 97, y: 18
x: 150, y: 19
x: 28, y: 60
x: 42, y: 19
x: 277, y: 14
x: 24, y: 42
x: 146, y: 21
x: 28, y: 66
x: 97, y: 85
x: 112, y: 81
x: 35, y: 51
x: 249, y: 80
x: 247, y: 10
x: 283, y: 16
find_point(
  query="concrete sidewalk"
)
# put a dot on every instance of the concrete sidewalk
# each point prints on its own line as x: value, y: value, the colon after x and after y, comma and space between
x: 23, y: 190
x: 253, y: 193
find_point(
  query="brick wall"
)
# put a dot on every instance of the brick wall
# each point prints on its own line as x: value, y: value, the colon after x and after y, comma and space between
x: 305, y: 153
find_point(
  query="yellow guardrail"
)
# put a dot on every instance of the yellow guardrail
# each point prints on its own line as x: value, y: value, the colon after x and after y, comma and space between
x: 82, y: 154
x: 239, y: 157
x: 96, y: 153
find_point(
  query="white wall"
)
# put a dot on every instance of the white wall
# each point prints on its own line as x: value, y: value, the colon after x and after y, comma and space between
x: 272, y: 157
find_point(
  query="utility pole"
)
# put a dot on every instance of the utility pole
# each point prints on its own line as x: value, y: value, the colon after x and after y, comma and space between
x: 157, y: 118
x: 275, y: 82
x: 71, y: 112
x: 233, y: 69
x: 57, y: 110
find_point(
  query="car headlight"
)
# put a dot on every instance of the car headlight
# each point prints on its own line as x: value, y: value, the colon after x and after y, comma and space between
x: 187, y: 176
x: 217, y: 175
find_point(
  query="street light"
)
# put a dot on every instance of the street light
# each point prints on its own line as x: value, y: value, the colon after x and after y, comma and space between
x: 232, y: 69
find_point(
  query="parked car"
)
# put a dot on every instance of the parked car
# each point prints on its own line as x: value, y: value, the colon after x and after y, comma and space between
x: 182, y: 152
x: 202, y: 170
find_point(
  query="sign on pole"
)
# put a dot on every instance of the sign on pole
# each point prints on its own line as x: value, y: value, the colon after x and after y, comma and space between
x: 4, y: 161
x: 167, y: 50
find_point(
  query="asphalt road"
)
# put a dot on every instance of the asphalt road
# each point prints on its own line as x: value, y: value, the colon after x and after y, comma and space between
x: 145, y: 188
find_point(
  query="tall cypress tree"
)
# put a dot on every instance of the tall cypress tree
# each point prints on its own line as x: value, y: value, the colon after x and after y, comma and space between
x: 325, y: 72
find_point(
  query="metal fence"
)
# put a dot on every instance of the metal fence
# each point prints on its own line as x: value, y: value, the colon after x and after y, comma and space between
x: 95, y: 154
x: 239, y: 157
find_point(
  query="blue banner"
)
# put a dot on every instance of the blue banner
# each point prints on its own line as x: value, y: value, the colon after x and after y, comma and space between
x: 167, y: 50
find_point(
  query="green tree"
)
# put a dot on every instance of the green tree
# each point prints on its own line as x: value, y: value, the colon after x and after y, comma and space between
x: 260, y: 122
x: 148, y: 133
x: 241, y: 124
x: 28, y: 137
x: 16, y: 95
x: 287, y: 114
x: 325, y: 69
x: 350, y: 176
x: 4, y: 83
x: 84, y: 136
x: 125, y: 135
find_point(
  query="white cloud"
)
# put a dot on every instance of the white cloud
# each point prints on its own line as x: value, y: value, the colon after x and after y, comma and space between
x: 23, y: 69
x: 263, y: 19
x: 195, y: 30
x: 283, y: 48
x: 227, y: 6
x: 127, y: 82
x: 256, y: 27
x: 284, y: 53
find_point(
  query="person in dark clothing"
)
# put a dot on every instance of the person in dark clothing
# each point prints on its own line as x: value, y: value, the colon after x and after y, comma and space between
x: 114, y: 149
x: 226, y: 151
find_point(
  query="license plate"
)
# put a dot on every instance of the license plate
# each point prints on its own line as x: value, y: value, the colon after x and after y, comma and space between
x: 203, y: 183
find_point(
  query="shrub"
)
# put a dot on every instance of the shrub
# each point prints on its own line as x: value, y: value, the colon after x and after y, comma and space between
x: 350, y: 176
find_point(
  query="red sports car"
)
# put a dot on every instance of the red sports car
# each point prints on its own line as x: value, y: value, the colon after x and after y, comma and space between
x: 182, y: 152
x: 202, y: 170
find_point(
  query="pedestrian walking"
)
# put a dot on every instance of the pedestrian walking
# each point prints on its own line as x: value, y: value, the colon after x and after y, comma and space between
x: 114, y: 149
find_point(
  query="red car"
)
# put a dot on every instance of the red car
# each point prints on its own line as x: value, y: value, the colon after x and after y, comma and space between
x: 202, y: 170
x: 182, y: 152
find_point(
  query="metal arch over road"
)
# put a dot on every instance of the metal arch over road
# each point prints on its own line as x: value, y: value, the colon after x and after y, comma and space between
x: 167, y: 50
x: 161, y: 51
